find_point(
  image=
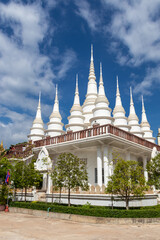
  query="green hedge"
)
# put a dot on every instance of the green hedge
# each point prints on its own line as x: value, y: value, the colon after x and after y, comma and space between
x: 91, y: 211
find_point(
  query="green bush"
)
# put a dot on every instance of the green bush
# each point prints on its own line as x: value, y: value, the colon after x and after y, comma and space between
x: 152, y: 212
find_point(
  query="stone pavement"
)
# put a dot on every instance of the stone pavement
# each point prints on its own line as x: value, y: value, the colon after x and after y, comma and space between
x: 17, y: 226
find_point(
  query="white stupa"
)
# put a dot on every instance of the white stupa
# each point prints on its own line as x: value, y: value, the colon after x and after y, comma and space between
x: 37, y: 130
x: 101, y: 112
x: 133, y: 120
x: 55, y: 126
x: 76, y: 119
x: 91, y: 95
x: 145, y: 126
x: 120, y: 120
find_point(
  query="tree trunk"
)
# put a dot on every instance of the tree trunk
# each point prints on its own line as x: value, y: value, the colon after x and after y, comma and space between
x: 127, y: 203
x: 25, y: 193
x: 69, y: 195
x: 112, y: 198
x: 15, y: 192
x: 22, y: 195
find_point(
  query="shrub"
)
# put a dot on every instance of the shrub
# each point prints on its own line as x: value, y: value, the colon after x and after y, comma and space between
x: 153, y: 212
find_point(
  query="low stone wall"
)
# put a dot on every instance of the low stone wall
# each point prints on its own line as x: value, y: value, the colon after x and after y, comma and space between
x: 103, y: 200
x: 85, y: 219
x: 93, y: 199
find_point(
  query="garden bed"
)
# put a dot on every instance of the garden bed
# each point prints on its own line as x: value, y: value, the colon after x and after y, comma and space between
x: 88, y: 210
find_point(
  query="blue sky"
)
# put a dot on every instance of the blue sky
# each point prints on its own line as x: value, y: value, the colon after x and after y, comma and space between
x: 47, y: 42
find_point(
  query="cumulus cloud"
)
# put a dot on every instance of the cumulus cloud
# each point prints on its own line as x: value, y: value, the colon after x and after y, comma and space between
x: 136, y: 24
x: 88, y: 14
x: 149, y: 82
x: 24, y: 69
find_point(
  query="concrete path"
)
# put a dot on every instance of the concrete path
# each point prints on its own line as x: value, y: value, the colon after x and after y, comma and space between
x: 16, y: 226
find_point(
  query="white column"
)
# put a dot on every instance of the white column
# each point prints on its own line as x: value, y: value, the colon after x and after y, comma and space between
x: 49, y: 184
x: 106, y: 165
x: 44, y: 186
x: 99, y: 166
x: 128, y: 156
x: 144, y: 167
x: 110, y: 161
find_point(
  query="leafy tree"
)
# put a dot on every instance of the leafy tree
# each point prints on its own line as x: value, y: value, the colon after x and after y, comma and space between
x: 31, y: 177
x: 5, y: 193
x: 58, y: 178
x: 5, y: 190
x: 127, y: 180
x: 153, y: 168
x: 25, y: 176
x: 70, y: 172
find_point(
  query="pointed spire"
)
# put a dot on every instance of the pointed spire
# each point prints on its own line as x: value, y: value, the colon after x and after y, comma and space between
x: 91, y: 52
x: 120, y: 120
x: 118, y: 97
x: 76, y: 97
x: 145, y: 126
x: 56, y: 103
x: 118, y: 93
x: 76, y: 118
x: 77, y: 84
x: 132, y: 109
x: 37, y: 131
x: 38, y: 114
x: 91, y: 71
x: 144, y: 117
x: 133, y: 120
x: 55, y: 126
x: 101, y: 91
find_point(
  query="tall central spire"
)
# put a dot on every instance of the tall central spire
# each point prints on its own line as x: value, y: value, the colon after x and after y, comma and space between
x: 91, y: 95
x: 101, y: 112
x: 91, y: 71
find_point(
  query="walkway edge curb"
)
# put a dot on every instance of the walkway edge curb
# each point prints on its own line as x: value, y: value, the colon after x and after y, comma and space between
x: 84, y: 219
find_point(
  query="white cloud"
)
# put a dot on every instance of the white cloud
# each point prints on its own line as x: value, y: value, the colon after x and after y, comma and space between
x: 135, y: 34
x: 136, y: 24
x: 88, y: 14
x: 150, y: 81
x: 67, y: 60
x: 24, y: 70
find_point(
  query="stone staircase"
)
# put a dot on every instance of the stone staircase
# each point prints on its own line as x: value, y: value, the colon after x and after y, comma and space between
x: 41, y: 196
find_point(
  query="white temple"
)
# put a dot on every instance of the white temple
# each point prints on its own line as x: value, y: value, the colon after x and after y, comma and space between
x: 94, y: 133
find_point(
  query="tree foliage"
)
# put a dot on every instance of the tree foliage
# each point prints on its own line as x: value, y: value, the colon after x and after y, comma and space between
x: 70, y: 172
x: 127, y: 180
x: 153, y: 168
x: 25, y: 176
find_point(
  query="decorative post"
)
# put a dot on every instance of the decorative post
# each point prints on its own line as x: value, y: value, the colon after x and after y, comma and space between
x: 99, y: 166
x: 144, y: 168
x: 106, y: 165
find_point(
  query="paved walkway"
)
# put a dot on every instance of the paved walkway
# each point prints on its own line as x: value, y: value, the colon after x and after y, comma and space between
x: 16, y: 226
